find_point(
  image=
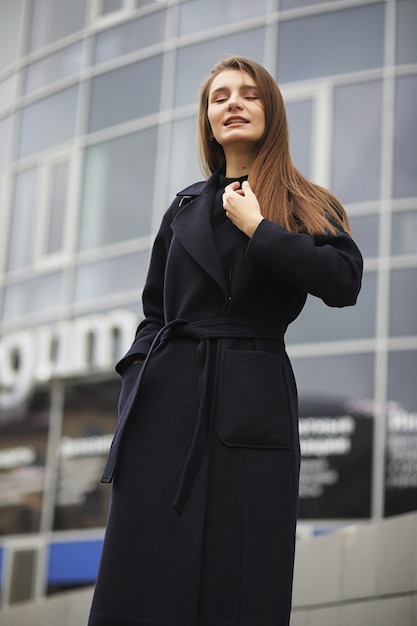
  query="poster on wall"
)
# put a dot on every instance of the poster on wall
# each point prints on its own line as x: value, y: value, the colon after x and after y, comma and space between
x: 89, y: 420
x: 400, y: 461
x: 23, y: 445
x: 336, y: 438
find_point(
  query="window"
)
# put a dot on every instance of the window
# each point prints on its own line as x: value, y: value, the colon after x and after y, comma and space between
x: 402, y: 388
x: 129, y: 37
x: 184, y: 162
x: 48, y: 122
x: 54, y: 19
x: 32, y: 296
x: 331, y: 43
x: 23, y: 481
x: 365, y: 230
x: 7, y: 89
x: 39, y: 213
x: 5, y: 133
x: 197, y: 15
x: 89, y: 418
x: 195, y: 62
x: 23, y: 219
x: 404, y: 236
x: 10, y: 17
x: 3, y: 218
x: 300, y: 120
x: 144, y: 3
x: 406, y: 31
x: 109, y: 6
x: 405, y: 140
x: 55, y: 67
x: 357, y: 142
x: 293, y: 4
x: 319, y: 322
x: 125, y: 94
x: 118, y: 190
x: 401, y: 477
x: 341, y: 376
x: 56, y: 205
x: 403, y: 302
x: 111, y: 276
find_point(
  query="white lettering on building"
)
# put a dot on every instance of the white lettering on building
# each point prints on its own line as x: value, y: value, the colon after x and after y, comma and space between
x: 325, y: 436
x: 70, y: 448
x: 70, y: 348
x: 15, y: 457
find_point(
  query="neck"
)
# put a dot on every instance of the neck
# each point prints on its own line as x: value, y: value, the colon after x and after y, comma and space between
x: 238, y: 164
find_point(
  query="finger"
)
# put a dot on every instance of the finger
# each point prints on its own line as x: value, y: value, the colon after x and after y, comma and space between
x: 246, y: 188
x: 232, y: 186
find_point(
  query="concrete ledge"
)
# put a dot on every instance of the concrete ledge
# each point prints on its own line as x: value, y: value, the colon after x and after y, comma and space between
x: 365, y: 574
x: 360, y: 575
x: 63, y: 609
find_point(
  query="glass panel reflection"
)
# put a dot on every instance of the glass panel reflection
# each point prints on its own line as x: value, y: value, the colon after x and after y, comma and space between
x: 55, y: 67
x: 184, y: 162
x: 403, y: 302
x: 344, y: 376
x: 336, y: 425
x: 405, y: 140
x: 33, y: 296
x: 292, y: 4
x: 58, y: 197
x: 404, y: 235
x: 365, y: 230
x: 357, y: 142
x: 406, y: 31
x: 128, y: 37
x: 125, y: 94
x: 90, y: 415
x: 10, y: 16
x: 197, y: 15
x: 328, y: 44
x: 53, y: 19
x: 108, y: 6
x: 48, y: 122
x: 112, y: 276
x: 23, y: 446
x: 5, y: 134
x: 7, y: 88
x: 319, y: 322
x: 195, y: 62
x: 401, y: 459
x: 299, y: 115
x: 23, y: 216
x: 118, y: 190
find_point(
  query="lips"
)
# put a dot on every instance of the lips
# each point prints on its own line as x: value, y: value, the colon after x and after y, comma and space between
x: 235, y: 120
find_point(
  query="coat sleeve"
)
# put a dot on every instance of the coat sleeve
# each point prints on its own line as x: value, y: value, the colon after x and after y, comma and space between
x: 152, y: 296
x: 326, y: 266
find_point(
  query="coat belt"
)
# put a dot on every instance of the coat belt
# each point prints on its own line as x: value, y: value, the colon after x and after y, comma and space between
x: 202, y: 332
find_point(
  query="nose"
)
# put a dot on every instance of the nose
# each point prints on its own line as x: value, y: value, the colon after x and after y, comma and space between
x: 235, y: 101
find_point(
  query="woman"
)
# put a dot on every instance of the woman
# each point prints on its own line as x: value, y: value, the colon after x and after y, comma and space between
x: 205, y: 459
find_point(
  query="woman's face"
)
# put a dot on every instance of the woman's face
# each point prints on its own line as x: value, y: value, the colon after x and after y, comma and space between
x: 235, y: 111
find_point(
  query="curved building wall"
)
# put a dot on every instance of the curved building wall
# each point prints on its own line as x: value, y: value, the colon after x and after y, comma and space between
x: 98, y: 103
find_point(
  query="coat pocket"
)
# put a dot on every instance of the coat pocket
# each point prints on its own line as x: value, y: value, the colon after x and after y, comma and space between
x: 253, y: 404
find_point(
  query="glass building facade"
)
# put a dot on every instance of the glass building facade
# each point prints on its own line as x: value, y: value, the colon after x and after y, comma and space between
x: 98, y: 105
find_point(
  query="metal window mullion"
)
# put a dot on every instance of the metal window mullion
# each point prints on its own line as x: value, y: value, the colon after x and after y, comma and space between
x: 384, y: 267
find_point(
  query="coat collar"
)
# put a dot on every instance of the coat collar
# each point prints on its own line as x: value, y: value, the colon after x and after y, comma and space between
x: 193, y: 229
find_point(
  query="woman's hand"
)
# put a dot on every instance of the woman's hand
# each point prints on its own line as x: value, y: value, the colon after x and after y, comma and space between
x: 242, y: 207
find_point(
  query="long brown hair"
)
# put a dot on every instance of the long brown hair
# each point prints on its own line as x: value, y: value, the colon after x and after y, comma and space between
x: 285, y: 195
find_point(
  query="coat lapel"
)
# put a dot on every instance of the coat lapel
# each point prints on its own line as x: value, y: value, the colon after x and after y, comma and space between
x: 192, y: 228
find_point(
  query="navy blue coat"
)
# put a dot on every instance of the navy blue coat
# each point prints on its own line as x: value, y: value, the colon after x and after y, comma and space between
x: 205, y: 459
